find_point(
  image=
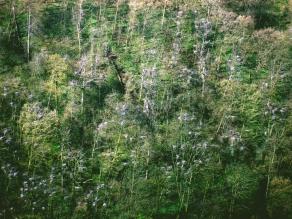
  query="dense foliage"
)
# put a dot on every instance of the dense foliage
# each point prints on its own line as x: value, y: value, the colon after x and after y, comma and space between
x: 146, y: 109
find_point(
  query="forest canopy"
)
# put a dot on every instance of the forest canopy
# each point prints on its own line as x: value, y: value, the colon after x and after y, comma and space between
x: 147, y: 109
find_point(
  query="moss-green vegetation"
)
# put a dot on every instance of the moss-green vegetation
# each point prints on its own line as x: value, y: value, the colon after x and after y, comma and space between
x: 145, y: 109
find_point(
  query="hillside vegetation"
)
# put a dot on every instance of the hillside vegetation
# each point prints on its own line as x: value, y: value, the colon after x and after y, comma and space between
x: 147, y: 109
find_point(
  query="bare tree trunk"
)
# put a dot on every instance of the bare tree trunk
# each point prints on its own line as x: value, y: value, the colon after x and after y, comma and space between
x: 163, y: 15
x: 28, y: 33
x: 116, y: 15
x: 78, y: 25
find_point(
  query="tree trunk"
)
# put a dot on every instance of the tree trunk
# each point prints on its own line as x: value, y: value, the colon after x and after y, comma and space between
x: 28, y: 33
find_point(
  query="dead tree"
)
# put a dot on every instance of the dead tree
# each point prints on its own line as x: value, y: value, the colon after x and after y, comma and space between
x: 119, y: 70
